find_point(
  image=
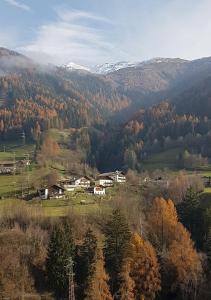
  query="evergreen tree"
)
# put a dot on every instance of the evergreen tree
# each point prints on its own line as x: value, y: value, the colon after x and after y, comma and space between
x: 117, y: 236
x: 86, y: 256
x: 60, y: 249
x: 192, y: 216
x: 208, y: 249
x: 98, y: 287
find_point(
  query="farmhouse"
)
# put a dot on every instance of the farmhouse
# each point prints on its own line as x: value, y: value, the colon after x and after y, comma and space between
x: 69, y: 187
x: 116, y: 176
x: 7, y: 167
x: 99, y: 190
x: 83, y: 181
x: 206, y: 181
x: 105, y: 181
x: 54, y: 191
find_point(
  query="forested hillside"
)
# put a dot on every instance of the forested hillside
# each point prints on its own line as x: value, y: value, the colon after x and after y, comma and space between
x: 35, y: 98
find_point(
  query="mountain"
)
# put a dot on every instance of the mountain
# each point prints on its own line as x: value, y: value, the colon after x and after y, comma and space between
x: 71, y: 66
x: 112, y: 67
x: 35, y: 97
x: 11, y: 61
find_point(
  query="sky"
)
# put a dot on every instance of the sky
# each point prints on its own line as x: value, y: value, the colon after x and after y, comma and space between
x: 90, y: 32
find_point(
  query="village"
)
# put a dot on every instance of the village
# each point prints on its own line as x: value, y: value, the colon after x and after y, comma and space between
x: 89, y: 185
x: 66, y: 184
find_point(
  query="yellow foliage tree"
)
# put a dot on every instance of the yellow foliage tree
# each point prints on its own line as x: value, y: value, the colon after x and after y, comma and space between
x: 162, y: 219
x: 181, y: 264
x: 142, y: 277
x: 186, y: 262
x: 98, y: 283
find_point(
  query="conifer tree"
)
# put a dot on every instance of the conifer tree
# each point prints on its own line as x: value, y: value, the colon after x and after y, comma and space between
x: 86, y: 256
x: 208, y: 249
x: 192, y: 216
x: 117, y: 236
x: 126, y: 290
x: 60, y: 249
x: 181, y: 266
x: 98, y: 287
x: 141, y: 265
x: 186, y: 263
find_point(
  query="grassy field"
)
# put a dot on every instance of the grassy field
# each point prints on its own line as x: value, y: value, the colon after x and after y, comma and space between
x: 61, y: 207
x: 9, y: 183
x: 10, y: 151
x: 163, y: 160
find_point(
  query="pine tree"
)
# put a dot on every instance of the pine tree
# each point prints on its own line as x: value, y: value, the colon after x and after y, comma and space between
x: 117, y: 236
x: 86, y: 256
x: 98, y: 287
x: 143, y: 267
x: 60, y: 249
x: 208, y: 249
x: 192, y: 216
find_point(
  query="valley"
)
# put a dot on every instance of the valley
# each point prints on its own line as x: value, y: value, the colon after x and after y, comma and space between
x: 93, y: 156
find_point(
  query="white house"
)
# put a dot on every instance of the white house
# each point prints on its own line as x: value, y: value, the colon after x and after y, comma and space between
x: 99, y: 190
x: 105, y: 181
x: 54, y: 191
x: 116, y: 176
x: 69, y: 187
x: 84, y: 182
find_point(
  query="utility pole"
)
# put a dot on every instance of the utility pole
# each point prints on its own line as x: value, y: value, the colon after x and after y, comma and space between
x: 27, y: 156
x: 71, y: 290
x: 23, y: 137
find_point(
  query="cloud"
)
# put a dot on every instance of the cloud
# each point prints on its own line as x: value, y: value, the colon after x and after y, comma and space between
x: 18, y: 4
x: 74, y: 15
x: 73, y: 36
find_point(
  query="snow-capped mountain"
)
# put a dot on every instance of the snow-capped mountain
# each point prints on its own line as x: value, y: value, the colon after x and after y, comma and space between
x: 112, y: 67
x: 71, y: 66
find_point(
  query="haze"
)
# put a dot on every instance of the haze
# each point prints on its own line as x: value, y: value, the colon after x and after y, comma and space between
x: 94, y: 32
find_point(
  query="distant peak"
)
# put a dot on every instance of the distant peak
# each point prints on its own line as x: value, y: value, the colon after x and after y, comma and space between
x: 112, y: 67
x: 71, y: 66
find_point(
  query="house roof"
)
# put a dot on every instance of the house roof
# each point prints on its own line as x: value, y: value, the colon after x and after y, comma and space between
x: 83, y: 177
x: 111, y: 173
x: 7, y: 163
x: 105, y: 178
x: 99, y: 187
x: 56, y: 187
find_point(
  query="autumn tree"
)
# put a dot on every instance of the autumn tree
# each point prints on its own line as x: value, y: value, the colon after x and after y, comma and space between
x: 181, y: 265
x: 126, y: 283
x: 49, y: 151
x: 162, y: 219
x: 117, y: 236
x: 142, y: 278
x: 186, y: 263
x: 98, y: 287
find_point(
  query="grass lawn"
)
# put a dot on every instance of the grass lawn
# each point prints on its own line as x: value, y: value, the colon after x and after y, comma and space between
x: 9, y: 183
x: 205, y: 198
x: 15, y: 150
x: 163, y: 160
x: 58, y: 207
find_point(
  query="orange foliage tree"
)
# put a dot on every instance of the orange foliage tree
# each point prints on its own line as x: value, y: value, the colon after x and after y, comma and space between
x: 140, y: 273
